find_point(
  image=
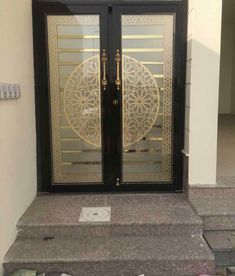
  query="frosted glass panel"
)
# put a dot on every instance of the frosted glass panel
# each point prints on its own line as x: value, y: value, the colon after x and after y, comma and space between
x: 147, y: 68
x: 74, y: 47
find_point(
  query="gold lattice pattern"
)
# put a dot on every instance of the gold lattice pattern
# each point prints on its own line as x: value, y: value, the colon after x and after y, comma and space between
x: 140, y: 98
x: 82, y: 101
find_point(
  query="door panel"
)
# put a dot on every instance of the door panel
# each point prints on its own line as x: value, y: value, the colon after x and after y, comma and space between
x: 108, y: 122
x: 75, y: 98
x: 147, y: 96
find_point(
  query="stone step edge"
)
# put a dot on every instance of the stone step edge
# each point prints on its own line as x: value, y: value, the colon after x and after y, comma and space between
x: 41, y: 231
x: 184, y: 253
x: 187, y: 244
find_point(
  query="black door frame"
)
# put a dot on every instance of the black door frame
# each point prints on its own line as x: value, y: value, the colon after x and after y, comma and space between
x: 44, y: 156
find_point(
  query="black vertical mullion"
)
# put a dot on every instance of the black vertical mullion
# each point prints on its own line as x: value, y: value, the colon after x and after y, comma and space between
x: 106, y: 107
x: 116, y: 95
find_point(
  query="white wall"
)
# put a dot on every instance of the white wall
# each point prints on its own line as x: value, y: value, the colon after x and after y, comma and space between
x: 17, y: 119
x: 202, y: 87
x: 227, y: 68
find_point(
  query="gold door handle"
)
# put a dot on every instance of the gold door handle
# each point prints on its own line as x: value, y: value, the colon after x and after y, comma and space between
x: 104, y: 61
x: 118, y: 81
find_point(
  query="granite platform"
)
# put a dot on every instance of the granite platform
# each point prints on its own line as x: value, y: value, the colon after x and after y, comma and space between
x: 131, y: 214
x: 115, y: 256
x: 125, y: 235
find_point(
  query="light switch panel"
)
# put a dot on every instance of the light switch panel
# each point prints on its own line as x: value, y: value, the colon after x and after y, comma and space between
x: 9, y: 91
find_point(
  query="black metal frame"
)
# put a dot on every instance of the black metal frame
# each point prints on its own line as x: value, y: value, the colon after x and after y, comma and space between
x: 112, y: 143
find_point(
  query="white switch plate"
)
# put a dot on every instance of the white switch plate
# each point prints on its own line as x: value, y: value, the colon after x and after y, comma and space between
x: 9, y: 91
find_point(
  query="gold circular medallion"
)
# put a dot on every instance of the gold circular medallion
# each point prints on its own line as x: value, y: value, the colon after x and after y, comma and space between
x: 82, y: 103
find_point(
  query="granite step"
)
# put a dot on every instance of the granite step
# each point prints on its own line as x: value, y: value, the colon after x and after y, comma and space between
x: 113, y: 256
x: 217, y: 213
x: 222, y: 190
x: 131, y: 215
x: 222, y: 244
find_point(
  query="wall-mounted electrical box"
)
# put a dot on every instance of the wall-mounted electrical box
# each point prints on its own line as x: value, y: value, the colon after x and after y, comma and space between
x: 9, y: 91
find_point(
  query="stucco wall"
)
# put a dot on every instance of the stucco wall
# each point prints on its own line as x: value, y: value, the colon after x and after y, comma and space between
x: 17, y: 119
x: 203, y: 66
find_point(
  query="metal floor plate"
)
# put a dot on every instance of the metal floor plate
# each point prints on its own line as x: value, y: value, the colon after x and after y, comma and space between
x: 95, y: 214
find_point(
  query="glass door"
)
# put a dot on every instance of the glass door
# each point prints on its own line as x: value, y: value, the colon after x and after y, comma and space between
x: 78, y: 80
x: 150, y: 129
x: 110, y: 93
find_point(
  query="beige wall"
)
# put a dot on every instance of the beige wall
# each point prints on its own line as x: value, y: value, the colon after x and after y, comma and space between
x: 17, y: 119
x: 204, y: 35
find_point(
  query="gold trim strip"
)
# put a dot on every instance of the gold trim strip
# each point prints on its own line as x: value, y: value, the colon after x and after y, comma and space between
x: 82, y: 151
x: 146, y: 139
x: 141, y: 36
x: 155, y: 139
x: 141, y: 151
x: 78, y: 36
x: 81, y: 163
x: 159, y: 76
x: 70, y: 139
x: 143, y: 50
x: 69, y: 63
x: 141, y: 162
x: 152, y: 63
x: 142, y: 62
x: 97, y: 36
x: 78, y: 50
x: 159, y: 114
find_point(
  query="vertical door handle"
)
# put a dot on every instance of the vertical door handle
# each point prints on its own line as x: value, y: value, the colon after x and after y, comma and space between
x: 118, y: 81
x: 104, y: 61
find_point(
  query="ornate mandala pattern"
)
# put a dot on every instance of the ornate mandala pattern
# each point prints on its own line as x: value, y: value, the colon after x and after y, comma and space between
x: 140, y: 100
x: 82, y: 101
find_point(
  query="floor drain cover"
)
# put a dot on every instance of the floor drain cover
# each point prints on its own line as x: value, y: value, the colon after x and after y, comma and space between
x: 95, y: 214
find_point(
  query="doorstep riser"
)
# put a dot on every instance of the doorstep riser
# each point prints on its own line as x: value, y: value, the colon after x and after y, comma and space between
x: 224, y: 259
x: 124, y: 268
x: 221, y: 193
x: 107, y: 231
x: 223, y: 223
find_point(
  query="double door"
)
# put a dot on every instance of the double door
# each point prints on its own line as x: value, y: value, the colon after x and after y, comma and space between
x: 113, y: 101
